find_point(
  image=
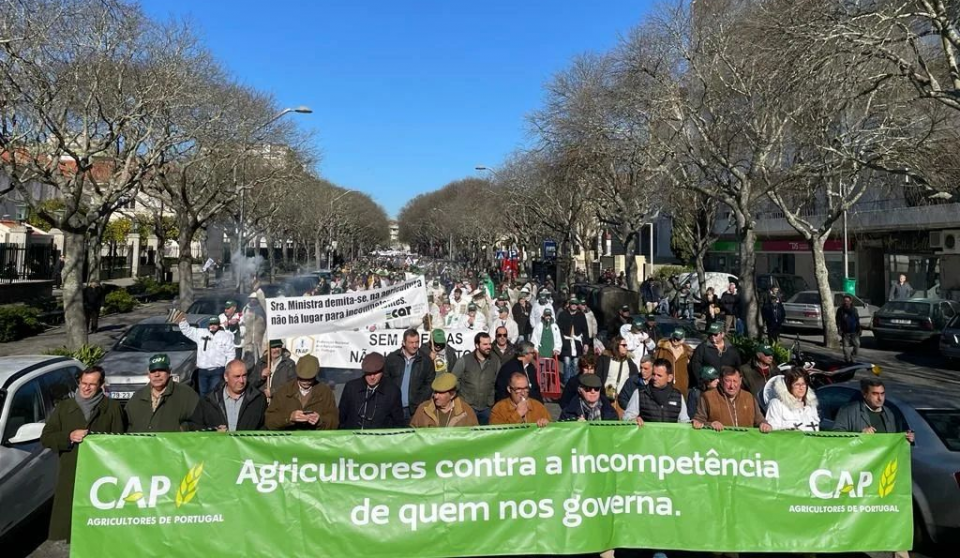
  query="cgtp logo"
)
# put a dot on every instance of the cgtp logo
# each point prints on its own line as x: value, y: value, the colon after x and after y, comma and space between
x: 826, y: 485
x: 133, y: 490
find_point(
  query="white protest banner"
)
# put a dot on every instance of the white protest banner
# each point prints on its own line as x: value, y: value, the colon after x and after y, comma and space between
x: 313, y: 315
x: 346, y: 349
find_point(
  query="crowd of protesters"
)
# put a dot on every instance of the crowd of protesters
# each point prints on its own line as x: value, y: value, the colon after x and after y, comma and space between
x: 639, y: 376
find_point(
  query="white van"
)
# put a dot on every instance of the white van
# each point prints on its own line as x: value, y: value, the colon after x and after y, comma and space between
x: 715, y: 279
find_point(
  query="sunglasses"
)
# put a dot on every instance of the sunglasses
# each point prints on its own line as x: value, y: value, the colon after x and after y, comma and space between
x: 501, y: 335
x: 590, y: 389
x: 623, y: 344
x: 439, y: 346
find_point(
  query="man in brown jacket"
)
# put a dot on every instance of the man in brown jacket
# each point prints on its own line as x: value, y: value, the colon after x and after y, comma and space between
x: 304, y: 404
x: 444, y: 408
x: 519, y: 408
x: 730, y: 405
x: 679, y: 353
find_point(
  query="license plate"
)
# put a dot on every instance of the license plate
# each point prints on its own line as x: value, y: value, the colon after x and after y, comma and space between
x: 901, y: 322
x: 793, y: 322
x: 121, y: 394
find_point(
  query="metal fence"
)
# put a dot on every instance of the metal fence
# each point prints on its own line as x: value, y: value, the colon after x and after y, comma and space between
x: 33, y: 262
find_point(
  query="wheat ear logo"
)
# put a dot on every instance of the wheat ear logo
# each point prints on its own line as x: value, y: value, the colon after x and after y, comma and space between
x: 188, y: 486
x: 888, y: 479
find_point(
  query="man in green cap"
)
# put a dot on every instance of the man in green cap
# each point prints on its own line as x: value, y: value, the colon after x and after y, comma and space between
x: 276, y: 369
x: 305, y: 404
x: 546, y: 336
x: 162, y: 405
x: 651, y: 328
x: 231, y: 320
x: 715, y: 352
x: 439, y: 352
x: 214, y: 350
x: 759, y: 370
x: 444, y: 408
x: 709, y: 380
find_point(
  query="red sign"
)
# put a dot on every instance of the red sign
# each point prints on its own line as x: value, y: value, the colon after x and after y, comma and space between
x: 831, y: 245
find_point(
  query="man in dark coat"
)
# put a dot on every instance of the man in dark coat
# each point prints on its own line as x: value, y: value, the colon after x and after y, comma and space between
x: 575, y: 334
x: 730, y: 305
x: 521, y: 314
x: 590, y: 405
x: 92, y: 303
x: 233, y: 406
x: 275, y: 369
x: 162, y: 405
x: 715, y: 352
x: 870, y: 415
x: 848, y: 324
x: 624, y: 317
x: 773, y: 313
x: 368, y: 401
x: 411, y: 370
x: 525, y: 361
x: 89, y: 410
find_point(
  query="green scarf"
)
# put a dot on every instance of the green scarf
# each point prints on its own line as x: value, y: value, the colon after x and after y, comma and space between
x: 546, y: 341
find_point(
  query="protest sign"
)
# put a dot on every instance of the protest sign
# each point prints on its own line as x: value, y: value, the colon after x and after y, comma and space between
x: 312, y: 315
x: 346, y: 349
x: 566, y: 488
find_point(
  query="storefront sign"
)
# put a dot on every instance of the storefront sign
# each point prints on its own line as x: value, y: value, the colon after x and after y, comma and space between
x: 798, y: 246
x: 567, y: 488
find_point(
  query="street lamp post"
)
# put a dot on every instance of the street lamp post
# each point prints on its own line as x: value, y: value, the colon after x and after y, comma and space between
x: 333, y: 242
x: 299, y: 110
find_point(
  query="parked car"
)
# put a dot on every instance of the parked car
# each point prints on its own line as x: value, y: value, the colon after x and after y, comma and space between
x: 127, y: 361
x: 934, y: 458
x: 717, y: 280
x: 213, y: 305
x: 30, y: 387
x: 950, y: 339
x: 789, y: 284
x: 917, y: 320
x: 802, y: 310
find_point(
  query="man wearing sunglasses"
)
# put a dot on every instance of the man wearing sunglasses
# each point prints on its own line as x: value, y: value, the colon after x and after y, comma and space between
x: 589, y: 406
x: 715, y: 352
x: 439, y: 352
x: 502, y: 346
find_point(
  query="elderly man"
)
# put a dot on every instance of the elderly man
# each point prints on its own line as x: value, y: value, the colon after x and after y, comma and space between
x: 370, y: 402
x: 305, y: 404
x: 72, y: 419
x: 730, y: 405
x: 276, y: 369
x: 589, y: 406
x: 411, y: 370
x: 519, y: 408
x: 214, y: 350
x: 759, y: 370
x: 477, y: 373
x: 525, y: 363
x: 444, y: 409
x: 162, y: 405
x: 658, y: 400
x: 237, y: 406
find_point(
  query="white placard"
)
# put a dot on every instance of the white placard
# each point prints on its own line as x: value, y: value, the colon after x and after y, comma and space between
x: 346, y: 349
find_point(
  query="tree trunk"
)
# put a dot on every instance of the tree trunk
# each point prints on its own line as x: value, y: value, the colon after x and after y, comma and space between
x: 74, y: 316
x: 748, y: 285
x: 701, y: 272
x: 185, y: 267
x: 94, y: 255
x: 630, y: 262
x: 831, y: 337
x: 317, y: 252
x: 271, y: 255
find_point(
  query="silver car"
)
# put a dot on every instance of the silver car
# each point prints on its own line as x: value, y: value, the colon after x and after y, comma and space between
x: 935, y: 456
x: 127, y: 361
x: 803, y: 310
x: 30, y: 387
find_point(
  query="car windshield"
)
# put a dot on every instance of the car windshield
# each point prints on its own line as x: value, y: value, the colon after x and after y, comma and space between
x: 946, y: 423
x: 154, y: 337
x: 907, y: 308
x: 806, y: 298
x: 206, y: 306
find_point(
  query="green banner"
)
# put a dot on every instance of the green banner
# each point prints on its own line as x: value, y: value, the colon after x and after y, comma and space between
x: 563, y: 489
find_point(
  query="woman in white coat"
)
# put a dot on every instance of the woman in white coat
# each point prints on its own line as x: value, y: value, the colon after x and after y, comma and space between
x: 795, y: 405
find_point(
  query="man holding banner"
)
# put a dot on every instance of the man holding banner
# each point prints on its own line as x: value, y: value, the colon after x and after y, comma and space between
x: 411, y: 371
x: 477, y: 373
x: 368, y: 401
x: 444, y: 409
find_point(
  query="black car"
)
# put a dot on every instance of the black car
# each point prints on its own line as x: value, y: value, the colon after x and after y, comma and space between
x: 917, y: 320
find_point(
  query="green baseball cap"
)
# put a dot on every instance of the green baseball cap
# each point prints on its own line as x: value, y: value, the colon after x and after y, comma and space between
x: 651, y: 317
x: 503, y: 296
x: 230, y: 304
x: 765, y: 349
x: 160, y: 361
x: 471, y: 307
x: 438, y: 336
x: 678, y: 334
x: 709, y: 373
x: 638, y: 322
x: 714, y: 329
x: 276, y: 343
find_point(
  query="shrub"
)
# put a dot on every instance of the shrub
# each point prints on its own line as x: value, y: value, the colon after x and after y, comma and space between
x: 119, y: 301
x: 153, y: 289
x: 87, y: 354
x: 748, y: 348
x: 18, y: 321
x: 665, y: 272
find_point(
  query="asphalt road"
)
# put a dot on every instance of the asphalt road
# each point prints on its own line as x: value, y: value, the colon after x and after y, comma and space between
x: 903, y: 368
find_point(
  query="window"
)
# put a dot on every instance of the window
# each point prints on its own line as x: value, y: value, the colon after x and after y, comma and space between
x: 947, y: 426
x: 59, y: 385
x: 25, y: 408
x: 947, y: 310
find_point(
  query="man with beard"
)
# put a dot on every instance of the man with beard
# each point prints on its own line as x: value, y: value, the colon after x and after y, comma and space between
x: 87, y: 411
x: 370, y: 402
x: 477, y: 375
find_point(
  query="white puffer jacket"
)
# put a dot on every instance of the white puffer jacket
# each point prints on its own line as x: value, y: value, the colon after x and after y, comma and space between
x: 787, y: 413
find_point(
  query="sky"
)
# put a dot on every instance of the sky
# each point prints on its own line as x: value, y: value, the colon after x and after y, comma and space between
x: 407, y: 95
